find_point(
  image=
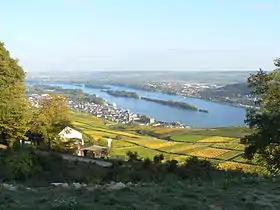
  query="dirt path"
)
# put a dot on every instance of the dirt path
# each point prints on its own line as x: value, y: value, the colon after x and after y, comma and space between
x: 68, y: 157
x: 102, y: 163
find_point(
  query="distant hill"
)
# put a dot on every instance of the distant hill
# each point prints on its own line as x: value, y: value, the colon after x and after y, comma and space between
x: 231, y: 90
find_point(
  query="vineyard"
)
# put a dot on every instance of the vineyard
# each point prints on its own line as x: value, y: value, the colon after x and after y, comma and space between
x: 216, y: 144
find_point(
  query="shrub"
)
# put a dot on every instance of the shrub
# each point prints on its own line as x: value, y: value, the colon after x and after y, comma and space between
x: 49, y: 162
x: 133, y: 156
x: 270, y: 159
x: 172, y: 165
x: 118, y: 137
x: 17, y: 164
x: 158, y: 159
x: 147, y: 163
x: 196, y: 168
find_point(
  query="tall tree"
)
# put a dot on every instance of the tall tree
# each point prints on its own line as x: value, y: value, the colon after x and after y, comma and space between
x: 51, y: 117
x: 13, y: 102
x: 264, y: 141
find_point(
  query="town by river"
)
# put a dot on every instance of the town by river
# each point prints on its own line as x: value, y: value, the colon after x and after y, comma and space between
x: 219, y: 114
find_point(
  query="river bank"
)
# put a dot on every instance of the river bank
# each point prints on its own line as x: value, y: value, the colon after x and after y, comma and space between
x: 219, y: 115
x: 183, y: 95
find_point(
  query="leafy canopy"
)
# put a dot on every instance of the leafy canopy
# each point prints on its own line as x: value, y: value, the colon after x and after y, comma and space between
x: 51, y: 117
x: 14, y: 114
x: 264, y: 141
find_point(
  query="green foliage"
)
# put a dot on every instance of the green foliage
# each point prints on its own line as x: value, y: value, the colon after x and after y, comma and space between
x: 270, y: 158
x: 264, y: 140
x: 14, y: 114
x: 16, y: 163
x: 51, y: 117
x: 120, y: 93
x: 196, y: 168
x: 158, y: 159
x: 144, y: 119
x: 133, y: 156
x: 172, y: 165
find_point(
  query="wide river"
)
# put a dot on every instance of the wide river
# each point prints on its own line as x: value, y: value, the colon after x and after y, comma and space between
x: 219, y: 114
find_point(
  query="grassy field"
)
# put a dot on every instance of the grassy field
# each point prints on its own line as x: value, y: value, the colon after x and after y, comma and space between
x: 219, y: 144
x: 234, y: 194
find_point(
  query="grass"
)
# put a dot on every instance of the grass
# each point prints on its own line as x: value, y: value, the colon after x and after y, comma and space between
x: 229, y: 155
x: 153, y: 144
x: 122, y: 144
x: 236, y: 194
x: 229, y: 165
x: 232, y: 145
x: 209, y: 152
x: 188, y: 137
x: 141, y: 151
x: 216, y: 139
x: 183, y: 147
x: 218, y: 144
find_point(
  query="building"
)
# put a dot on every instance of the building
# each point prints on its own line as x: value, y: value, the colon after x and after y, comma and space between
x: 94, y: 151
x: 69, y: 133
x: 152, y: 120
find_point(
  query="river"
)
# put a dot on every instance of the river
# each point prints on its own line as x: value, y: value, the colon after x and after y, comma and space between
x: 219, y: 115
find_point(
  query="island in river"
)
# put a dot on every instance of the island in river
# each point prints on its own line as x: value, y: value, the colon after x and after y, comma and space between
x: 121, y: 93
x: 176, y: 104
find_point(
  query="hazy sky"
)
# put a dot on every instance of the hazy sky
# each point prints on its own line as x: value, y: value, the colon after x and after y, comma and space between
x: 79, y: 35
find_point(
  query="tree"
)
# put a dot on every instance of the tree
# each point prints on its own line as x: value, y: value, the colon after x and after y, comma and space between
x: 144, y: 119
x: 264, y: 141
x: 50, y: 118
x: 13, y: 102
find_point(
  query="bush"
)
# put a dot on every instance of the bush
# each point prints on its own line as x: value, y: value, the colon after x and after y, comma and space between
x: 133, y: 156
x: 172, y: 165
x: 147, y: 163
x: 196, y: 168
x: 270, y: 159
x: 51, y: 161
x: 17, y: 163
x: 158, y: 159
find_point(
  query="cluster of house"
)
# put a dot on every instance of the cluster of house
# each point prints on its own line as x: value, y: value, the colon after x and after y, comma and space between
x: 170, y: 125
x: 35, y: 98
x: 110, y: 112
x: 188, y: 89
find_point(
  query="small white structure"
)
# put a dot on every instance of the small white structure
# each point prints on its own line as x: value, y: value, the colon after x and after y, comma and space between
x: 152, y: 120
x: 69, y: 133
x: 109, y: 140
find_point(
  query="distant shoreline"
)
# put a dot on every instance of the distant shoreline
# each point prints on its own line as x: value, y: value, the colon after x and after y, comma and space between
x: 175, y: 94
x: 243, y: 106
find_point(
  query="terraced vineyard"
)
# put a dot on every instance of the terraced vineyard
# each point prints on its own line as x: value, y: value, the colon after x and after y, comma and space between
x: 217, y: 144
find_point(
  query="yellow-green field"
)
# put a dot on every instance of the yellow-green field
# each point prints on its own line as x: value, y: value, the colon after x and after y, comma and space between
x: 221, y: 144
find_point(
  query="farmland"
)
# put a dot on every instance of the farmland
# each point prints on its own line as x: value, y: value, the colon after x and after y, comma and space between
x: 220, y: 145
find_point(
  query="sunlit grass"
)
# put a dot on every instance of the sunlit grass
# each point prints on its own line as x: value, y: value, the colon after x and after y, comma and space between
x: 182, y: 148
x: 229, y: 155
x: 208, y: 152
x: 188, y: 137
x: 228, y: 165
x: 216, y: 139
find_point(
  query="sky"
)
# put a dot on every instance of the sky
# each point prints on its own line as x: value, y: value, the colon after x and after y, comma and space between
x: 189, y: 35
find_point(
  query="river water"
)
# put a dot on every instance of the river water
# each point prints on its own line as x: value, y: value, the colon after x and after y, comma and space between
x: 219, y: 114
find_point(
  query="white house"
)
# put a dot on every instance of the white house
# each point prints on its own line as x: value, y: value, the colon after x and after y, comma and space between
x: 69, y: 133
